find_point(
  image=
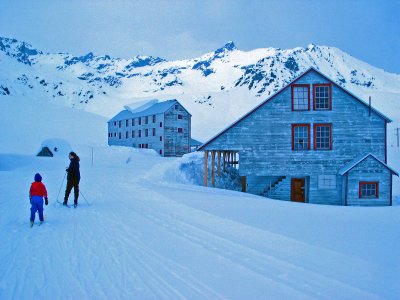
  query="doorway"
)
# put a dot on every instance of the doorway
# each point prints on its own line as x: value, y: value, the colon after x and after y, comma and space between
x: 298, y: 190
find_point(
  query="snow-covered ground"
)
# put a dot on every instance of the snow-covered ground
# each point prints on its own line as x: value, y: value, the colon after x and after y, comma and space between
x: 143, y: 232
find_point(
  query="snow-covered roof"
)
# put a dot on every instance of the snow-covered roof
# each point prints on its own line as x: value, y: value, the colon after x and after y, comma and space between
x: 156, y: 108
x: 358, y: 160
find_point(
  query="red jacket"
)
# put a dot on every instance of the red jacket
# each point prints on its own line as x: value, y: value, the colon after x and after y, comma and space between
x: 37, y: 189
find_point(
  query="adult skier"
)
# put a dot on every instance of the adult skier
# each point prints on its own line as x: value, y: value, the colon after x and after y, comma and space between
x: 73, y: 178
x: 36, y: 194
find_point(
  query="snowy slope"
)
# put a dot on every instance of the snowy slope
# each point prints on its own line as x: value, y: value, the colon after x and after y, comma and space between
x: 141, y: 233
x: 217, y: 88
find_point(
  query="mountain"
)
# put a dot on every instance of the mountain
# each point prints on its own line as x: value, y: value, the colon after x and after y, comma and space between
x: 216, y: 88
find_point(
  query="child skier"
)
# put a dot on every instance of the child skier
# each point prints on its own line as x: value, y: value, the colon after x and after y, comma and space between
x: 36, y: 194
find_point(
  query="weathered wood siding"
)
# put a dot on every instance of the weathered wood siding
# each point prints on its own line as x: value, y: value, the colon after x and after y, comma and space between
x: 264, y: 139
x: 369, y: 170
x: 177, y: 143
x: 151, y: 141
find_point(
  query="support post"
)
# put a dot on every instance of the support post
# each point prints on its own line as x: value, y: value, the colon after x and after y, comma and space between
x: 213, y: 168
x: 244, y: 184
x: 206, y: 168
x: 219, y: 163
x: 224, y: 154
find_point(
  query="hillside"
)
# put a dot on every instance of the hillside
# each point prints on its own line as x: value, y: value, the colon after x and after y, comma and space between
x: 217, y: 88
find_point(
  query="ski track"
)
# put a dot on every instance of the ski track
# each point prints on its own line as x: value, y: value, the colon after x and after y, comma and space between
x: 145, y: 270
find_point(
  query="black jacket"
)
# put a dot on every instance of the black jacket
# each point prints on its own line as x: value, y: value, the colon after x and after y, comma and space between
x: 73, y: 170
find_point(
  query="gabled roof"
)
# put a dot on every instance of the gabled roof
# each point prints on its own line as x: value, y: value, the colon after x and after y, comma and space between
x: 347, y: 168
x: 280, y: 91
x: 157, y: 108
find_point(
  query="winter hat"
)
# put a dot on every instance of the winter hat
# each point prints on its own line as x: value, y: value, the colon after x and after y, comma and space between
x: 38, y: 177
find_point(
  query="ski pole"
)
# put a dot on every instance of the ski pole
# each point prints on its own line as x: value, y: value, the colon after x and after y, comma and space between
x: 61, y: 187
x: 84, y: 198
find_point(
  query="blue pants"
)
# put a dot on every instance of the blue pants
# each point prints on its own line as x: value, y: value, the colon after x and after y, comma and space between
x: 37, y: 205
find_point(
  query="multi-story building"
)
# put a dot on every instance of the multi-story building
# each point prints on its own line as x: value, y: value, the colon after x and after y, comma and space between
x: 164, y: 127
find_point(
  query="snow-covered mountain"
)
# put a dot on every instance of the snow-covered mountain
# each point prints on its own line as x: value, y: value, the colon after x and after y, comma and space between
x: 216, y: 88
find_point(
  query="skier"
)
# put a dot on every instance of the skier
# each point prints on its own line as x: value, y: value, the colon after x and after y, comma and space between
x: 36, y: 194
x: 73, y: 178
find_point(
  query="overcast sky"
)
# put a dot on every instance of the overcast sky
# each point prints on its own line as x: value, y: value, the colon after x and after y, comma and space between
x: 368, y: 30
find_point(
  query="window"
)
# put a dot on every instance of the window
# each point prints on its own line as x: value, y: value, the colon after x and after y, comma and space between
x: 126, y: 123
x: 127, y: 134
x: 176, y: 106
x: 133, y: 122
x: 115, y: 123
x: 369, y: 189
x: 300, y: 97
x: 180, y: 130
x: 180, y: 117
x: 140, y: 133
x: 140, y: 121
x: 146, y: 132
x: 322, y: 136
x: 160, y: 138
x: 119, y: 124
x: 160, y: 152
x: 119, y: 135
x: 322, y: 97
x: 146, y: 120
x: 133, y: 133
x: 154, y: 118
x: 300, y: 136
x: 326, y: 182
x: 160, y: 124
x: 154, y: 132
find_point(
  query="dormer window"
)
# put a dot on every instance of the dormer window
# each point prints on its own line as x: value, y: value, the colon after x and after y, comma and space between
x: 322, y: 97
x: 300, y: 97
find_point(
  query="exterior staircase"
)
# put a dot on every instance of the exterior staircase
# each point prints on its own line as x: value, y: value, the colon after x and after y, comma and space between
x: 280, y: 189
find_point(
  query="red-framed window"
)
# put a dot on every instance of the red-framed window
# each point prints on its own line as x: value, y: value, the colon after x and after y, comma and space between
x: 368, y: 189
x: 300, y: 136
x: 322, y: 136
x: 300, y: 97
x: 322, y: 95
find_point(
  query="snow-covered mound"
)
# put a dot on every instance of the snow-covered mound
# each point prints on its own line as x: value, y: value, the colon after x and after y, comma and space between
x: 58, y: 147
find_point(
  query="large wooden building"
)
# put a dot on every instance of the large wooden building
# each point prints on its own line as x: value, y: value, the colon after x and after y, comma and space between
x: 312, y: 141
x: 164, y: 127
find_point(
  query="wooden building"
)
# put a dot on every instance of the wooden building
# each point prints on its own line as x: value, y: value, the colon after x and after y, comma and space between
x: 313, y: 141
x: 164, y: 127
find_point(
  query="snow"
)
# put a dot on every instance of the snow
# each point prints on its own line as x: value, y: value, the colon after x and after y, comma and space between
x: 144, y: 230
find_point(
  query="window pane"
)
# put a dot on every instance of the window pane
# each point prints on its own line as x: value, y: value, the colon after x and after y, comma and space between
x: 300, y: 137
x: 300, y: 98
x: 323, y: 137
x: 322, y: 97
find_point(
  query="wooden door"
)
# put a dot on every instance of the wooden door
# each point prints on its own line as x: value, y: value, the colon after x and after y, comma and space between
x: 298, y: 190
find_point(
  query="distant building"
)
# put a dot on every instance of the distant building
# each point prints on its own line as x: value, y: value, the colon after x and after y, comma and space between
x: 164, y: 127
x: 313, y: 141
